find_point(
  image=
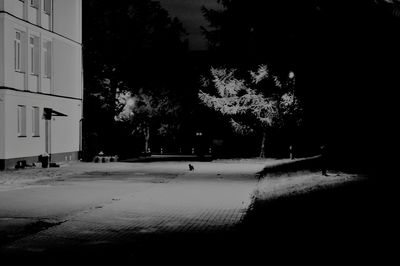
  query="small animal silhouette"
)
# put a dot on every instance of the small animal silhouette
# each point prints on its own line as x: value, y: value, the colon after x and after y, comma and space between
x: 191, y: 167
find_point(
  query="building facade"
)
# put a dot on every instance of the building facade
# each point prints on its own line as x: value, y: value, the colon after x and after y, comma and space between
x: 41, y: 80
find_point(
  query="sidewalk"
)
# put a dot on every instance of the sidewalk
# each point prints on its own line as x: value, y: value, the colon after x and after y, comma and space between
x: 21, y: 178
x: 195, y: 214
x: 14, y: 179
x: 191, y: 213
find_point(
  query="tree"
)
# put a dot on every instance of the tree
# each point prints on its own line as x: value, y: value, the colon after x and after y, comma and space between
x: 125, y: 46
x: 338, y: 49
x: 254, y: 104
x: 146, y: 112
x: 131, y: 36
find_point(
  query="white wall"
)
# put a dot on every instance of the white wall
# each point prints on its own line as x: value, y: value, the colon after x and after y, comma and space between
x: 33, y: 83
x: 18, y: 146
x: 14, y: 7
x: 2, y: 132
x: 66, y: 80
x: 67, y: 69
x: 2, y: 50
x: 65, y: 130
x: 33, y: 15
x: 66, y: 63
x: 68, y: 19
x: 12, y: 79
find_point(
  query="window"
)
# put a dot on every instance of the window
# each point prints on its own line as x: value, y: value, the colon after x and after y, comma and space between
x: 21, y: 121
x: 47, y: 59
x: 47, y: 6
x: 18, y: 51
x: 35, y: 121
x: 33, y: 55
x: 34, y: 3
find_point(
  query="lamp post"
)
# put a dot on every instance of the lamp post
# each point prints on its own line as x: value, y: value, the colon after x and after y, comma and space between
x: 198, y: 143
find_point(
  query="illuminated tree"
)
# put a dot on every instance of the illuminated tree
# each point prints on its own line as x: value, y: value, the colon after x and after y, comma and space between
x: 254, y: 104
x: 146, y: 112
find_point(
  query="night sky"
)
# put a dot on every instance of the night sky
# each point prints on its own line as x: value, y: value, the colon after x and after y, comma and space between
x: 189, y: 13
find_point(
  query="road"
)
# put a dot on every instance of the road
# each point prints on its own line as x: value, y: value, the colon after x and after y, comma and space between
x: 160, y: 212
x: 126, y: 214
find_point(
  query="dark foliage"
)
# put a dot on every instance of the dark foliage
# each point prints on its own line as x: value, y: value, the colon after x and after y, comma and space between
x: 130, y: 45
x: 345, y: 57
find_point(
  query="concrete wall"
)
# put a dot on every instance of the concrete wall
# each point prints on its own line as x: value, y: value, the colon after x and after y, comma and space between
x: 67, y: 69
x: 66, y: 78
x: 62, y: 91
x: 64, y: 130
x: 2, y: 50
x: 17, y: 8
x: 68, y: 19
x: 14, y: 7
x: 2, y: 128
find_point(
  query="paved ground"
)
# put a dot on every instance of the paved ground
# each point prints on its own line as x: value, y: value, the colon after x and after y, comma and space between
x: 138, y: 211
x: 124, y: 204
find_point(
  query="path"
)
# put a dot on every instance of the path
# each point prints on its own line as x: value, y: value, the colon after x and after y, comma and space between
x: 212, y: 199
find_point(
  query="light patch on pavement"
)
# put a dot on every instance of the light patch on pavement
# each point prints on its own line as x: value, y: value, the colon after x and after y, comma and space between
x: 215, y: 195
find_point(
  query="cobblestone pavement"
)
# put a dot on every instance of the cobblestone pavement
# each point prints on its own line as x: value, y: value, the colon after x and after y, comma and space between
x: 197, y: 209
x: 22, y: 178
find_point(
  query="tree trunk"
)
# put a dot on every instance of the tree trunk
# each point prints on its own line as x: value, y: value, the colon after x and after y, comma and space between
x: 147, y: 139
x: 264, y: 139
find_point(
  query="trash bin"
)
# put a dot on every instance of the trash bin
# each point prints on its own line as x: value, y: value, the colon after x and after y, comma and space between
x: 44, y: 159
x: 20, y: 164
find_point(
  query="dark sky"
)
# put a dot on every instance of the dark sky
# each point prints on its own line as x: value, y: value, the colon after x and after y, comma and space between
x: 189, y: 13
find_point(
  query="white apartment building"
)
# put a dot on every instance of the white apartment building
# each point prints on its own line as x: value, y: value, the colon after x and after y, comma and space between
x: 41, y: 80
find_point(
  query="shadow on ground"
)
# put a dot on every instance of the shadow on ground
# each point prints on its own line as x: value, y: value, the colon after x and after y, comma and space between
x: 349, y: 222
x: 169, y: 158
x: 333, y: 224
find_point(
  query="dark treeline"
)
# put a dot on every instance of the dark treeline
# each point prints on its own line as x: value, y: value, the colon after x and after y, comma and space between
x: 343, y: 53
x: 133, y: 46
x: 345, y: 57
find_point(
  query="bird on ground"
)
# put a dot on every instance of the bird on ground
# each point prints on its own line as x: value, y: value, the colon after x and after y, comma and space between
x: 191, y: 167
